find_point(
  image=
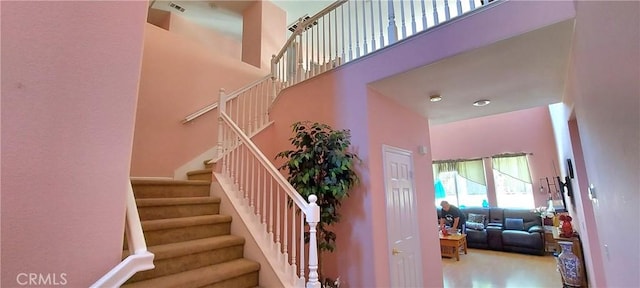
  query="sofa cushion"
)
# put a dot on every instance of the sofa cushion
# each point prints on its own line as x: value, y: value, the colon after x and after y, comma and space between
x: 475, y: 225
x: 514, y: 224
x: 476, y: 218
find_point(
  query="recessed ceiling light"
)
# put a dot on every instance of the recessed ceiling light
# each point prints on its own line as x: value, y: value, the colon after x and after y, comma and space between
x: 435, y: 98
x: 481, y: 103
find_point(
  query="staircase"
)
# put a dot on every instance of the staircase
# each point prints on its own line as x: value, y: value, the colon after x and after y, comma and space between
x: 191, y: 241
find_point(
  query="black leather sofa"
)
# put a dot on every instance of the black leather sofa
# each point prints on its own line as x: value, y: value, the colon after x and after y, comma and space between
x: 512, y: 230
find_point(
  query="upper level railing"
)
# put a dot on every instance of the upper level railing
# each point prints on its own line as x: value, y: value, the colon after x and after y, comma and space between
x: 347, y: 30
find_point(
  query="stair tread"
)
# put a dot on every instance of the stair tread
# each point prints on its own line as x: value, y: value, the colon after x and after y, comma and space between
x: 150, y: 225
x: 146, y: 202
x: 202, y: 276
x: 200, y: 171
x: 171, y: 250
x: 170, y: 182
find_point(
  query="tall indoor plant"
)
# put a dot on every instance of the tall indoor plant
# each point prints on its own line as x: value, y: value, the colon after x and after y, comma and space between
x: 321, y: 164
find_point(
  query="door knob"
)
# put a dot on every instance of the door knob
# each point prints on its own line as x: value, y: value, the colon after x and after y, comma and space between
x: 395, y: 251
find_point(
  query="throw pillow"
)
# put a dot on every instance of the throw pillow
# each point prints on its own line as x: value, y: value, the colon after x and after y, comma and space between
x: 514, y: 224
x: 477, y: 218
x: 475, y: 225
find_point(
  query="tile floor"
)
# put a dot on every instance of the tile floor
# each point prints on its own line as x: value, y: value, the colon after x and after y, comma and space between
x: 485, y: 268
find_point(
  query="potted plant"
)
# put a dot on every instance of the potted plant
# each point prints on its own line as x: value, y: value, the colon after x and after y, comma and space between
x: 320, y: 164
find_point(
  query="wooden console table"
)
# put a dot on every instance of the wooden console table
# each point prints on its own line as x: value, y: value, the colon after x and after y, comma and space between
x: 450, y: 244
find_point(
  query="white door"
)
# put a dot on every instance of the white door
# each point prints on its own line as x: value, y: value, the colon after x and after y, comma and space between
x: 402, y: 219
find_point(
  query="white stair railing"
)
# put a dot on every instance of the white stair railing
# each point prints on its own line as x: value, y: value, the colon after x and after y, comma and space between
x: 347, y: 30
x: 139, y: 259
x: 276, y: 205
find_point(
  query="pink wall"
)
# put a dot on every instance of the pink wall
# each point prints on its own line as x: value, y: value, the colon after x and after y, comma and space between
x: 213, y: 41
x: 69, y: 94
x: 263, y: 33
x: 160, y: 18
x: 397, y: 126
x: 179, y: 77
x: 527, y: 131
x: 604, y: 87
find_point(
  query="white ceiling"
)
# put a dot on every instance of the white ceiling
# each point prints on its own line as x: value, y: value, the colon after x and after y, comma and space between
x: 517, y: 73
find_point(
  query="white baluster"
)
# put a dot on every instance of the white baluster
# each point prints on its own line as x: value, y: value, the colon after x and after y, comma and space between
x: 472, y: 4
x: 318, y: 48
x: 301, y: 244
x: 221, y: 108
x: 258, y: 192
x: 252, y: 192
x: 312, y: 68
x: 308, y: 56
x: 343, y: 39
x: 313, y: 217
x: 413, y: 18
x: 404, y: 26
x: 364, y: 27
x: 424, y: 15
x: 459, y: 7
x: 335, y: 19
x: 278, y: 220
x: 285, y: 233
x: 263, y: 191
x: 393, y: 30
x: 373, y: 28
x: 436, y: 19
x: 350, y: 41
x: 381, y: 25
x: 324, y: 45
x: 271, y: 212
x: 355, y: 5
x: 447, y: 13
x: 330, y: 48
x: 294, y: 241
x: 241, y: 169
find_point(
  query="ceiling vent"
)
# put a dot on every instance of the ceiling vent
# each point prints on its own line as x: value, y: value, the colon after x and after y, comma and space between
x: 176, y: 6
x: 293, y: 26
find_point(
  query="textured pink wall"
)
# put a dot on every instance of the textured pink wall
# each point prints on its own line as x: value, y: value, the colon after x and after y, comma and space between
x: 179, y: 77
x: 69, y: 94
x: 527, y: 131
x: 397, y: 126
x: 606, y: 100
x: 263, y: 33
x: 214, y: 41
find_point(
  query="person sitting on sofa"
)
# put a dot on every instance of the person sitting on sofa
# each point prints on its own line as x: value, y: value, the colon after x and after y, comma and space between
x: 451, y: 215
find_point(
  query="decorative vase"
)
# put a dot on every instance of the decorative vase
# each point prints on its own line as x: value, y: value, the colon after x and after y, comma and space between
x: 569, y: 265
x: 566, y: 230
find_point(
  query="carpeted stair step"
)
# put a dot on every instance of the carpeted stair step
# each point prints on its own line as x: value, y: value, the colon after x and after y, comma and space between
x: 188, y: 255
x: 163, y: 208
x: 207, y: 164
x: 239, y: 273
x: 165, y: 231
x: 162, y: 188
x: 203, y: 174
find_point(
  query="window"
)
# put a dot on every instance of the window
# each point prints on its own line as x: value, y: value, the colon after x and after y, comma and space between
x: 512, y: 178
x: 461, y: 183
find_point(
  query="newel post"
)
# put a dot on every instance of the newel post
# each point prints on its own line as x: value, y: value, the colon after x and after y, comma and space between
x: 313, y: 217
x: 222, y: 101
